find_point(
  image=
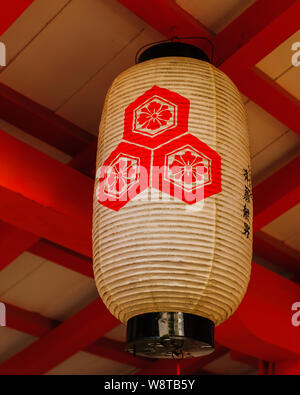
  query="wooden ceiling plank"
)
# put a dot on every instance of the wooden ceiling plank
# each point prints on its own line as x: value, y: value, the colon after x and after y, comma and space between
x: 13, y: 242
x: 276, y: 252
x: 63, y: 256
x: 256, y: 32
x: 10, y: 11
x: 264, y: 25
x: 271, y: 97
x: 73, y: 335
x: 277, y: 194
x: 249, y: 331
x: 266, y: 332
x: 40, y: 195
x: 41, y: 122
x: 37, y: 325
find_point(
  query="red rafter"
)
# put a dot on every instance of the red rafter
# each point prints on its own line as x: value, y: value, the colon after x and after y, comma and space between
x: 246, y: 359
x: 36, y: 325
x: 249, y: 38
x: 277, y: 194
x: 256, y: 32
x: 31, y: 323
x: 51, y: 199
x: 258, y: 332
x: 71, y: 336
x: 65, y: 195
x: 277, y: 252
x: 263, y: 212
x: 287, y: 367
x: 10, y: 11
x: 64, y: 257
x: 13, y: 242
x: 268, y: 95
x: 42, y: 123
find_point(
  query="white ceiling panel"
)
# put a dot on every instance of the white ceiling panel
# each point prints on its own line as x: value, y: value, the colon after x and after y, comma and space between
x: 263, y: 128
x: 277, y: 154
x: 34, y: 142
x: 294, y: 240
x: 84, y: 108
x: 46, y: 288
x: 286, y: 226
x: 84, y: 363
x: 75, y: 45
x: 12, y: 342
x: 225, y: 365
x: 118, y: 333
x: 279, y: 60
x: 29, y: 24
x: 290, y: 81
x: 18, y: 270
x: 215, y: 14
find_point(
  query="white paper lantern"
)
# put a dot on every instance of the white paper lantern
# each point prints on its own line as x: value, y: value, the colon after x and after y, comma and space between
x: 172, y: 235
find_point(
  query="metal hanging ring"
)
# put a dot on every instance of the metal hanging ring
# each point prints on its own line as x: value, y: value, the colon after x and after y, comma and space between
x: 173, y: 38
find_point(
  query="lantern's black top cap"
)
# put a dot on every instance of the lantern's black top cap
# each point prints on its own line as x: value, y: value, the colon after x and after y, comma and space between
x: 172, y: 49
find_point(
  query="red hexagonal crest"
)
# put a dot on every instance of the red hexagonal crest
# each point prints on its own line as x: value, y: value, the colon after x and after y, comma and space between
x: 187, y: 169
x: 156, y: 117
x: 123, y: 175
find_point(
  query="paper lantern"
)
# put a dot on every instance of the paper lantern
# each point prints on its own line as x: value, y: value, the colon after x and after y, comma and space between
x: 172, y: 235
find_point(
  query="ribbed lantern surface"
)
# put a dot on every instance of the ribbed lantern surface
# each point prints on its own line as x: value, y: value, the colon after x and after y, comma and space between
x: 172, y: 204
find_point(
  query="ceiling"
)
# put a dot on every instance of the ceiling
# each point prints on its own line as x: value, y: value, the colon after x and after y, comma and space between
x: 64, y: 54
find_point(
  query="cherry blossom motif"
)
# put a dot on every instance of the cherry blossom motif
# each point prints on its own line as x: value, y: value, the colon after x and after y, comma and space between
x: 154, y: 115
x: 188, y: 167
x: 120, y: 175
x: 123, y: 175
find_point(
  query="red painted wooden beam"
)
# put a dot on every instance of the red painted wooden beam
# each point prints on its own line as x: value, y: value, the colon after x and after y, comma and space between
x: 266, y: 332
x: 11, y: 145
x: 256, y: 32
x: 287, y: 368
x: 40, y: 195
x: 246, y: 359
x: 42, y: 123
x: 27, y: 322
x: 10, y: 11
x: 251, y: 331
x: 37, y: 325
x: 30, y: 193
x: 277, y: 194
x: 269, y: 96
x: 85, y: 161
x: 276, y: 252
x: 13, y: 242
x: 71, y: 336
x: 114, y: 350
x: 64, y: 257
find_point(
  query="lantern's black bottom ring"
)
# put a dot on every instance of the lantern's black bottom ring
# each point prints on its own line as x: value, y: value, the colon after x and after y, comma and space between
x: 170, y: 335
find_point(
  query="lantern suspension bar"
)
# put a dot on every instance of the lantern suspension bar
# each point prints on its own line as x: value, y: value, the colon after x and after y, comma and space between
x: 169, y: 48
